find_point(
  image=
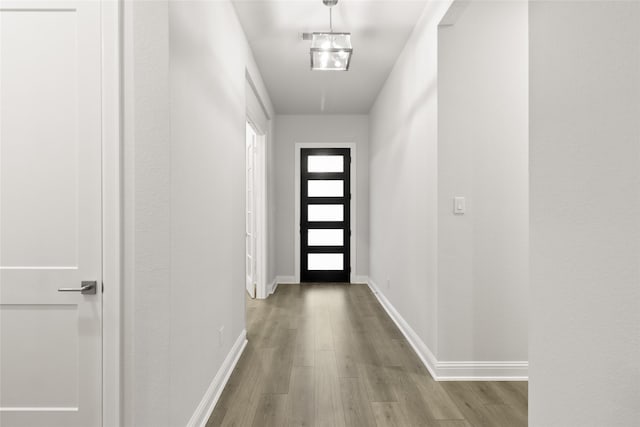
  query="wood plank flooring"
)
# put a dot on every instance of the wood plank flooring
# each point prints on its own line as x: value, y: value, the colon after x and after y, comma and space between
x: 328, y: 355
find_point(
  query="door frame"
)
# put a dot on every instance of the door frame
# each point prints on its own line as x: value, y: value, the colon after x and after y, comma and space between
x: 296, y: 223
x: 260, y: 208
x: 260, y: 190
x: 112, y: 98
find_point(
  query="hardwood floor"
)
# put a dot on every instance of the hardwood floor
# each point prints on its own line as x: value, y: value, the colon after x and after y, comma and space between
x: 328, y: 355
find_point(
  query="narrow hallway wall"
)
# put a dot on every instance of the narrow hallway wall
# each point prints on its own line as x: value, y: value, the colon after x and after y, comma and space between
x: 403, y: 170
x: 483, y: 148
x: 184, y: 153
x: 459, y: 283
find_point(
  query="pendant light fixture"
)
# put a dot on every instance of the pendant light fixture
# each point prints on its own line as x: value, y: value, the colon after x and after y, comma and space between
x: 330, y: 51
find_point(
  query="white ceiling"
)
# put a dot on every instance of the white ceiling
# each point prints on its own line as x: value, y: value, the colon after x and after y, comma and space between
x: 380, y: 29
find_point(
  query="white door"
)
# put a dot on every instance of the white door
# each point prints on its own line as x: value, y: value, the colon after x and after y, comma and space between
x: 251, y: 211
x: 50, y: 213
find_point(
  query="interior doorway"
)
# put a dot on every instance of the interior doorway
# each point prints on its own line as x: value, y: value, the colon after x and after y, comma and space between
x: 255, y: 212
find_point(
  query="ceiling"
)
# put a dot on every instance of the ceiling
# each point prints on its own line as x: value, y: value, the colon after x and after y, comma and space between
x: 380, y: 29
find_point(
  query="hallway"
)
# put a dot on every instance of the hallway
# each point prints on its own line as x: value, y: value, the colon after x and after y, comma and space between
x: 319, y: 213
x: 328, y: 355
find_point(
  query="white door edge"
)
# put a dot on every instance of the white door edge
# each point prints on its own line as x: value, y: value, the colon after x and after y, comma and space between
x: 112, y: 351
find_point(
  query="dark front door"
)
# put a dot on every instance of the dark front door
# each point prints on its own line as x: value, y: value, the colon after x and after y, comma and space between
x: 325, y: 195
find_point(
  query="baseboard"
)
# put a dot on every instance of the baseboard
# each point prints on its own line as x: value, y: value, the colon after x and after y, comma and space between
x: 483, y: 371
x: 280, y: 280
x: 286, y: 280
x: 452, y: 371
x: 361, y: 279
x: 271, y: 288
x: 421, y: 349
x: 211, y: 396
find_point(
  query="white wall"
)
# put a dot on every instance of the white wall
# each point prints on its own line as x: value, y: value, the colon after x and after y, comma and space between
x: 146, y: 218
x: 460, y: 282
x: 291, y: 129
x: 483, y: 255
x: 585, y: 214
x: 185, y: 118
x: 403, y: 172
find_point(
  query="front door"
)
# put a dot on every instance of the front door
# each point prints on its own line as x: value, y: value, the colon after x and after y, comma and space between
x: 50, y: 214
x: 325, y: 195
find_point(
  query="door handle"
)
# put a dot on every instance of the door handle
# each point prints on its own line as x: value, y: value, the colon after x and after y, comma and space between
x: 87, y: 288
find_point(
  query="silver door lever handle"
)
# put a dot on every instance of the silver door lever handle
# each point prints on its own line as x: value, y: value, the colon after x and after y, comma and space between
x: 87, y: 288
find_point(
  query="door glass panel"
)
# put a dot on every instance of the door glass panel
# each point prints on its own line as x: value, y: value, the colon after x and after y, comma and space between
x: 325, y: 164
x: 325, y: 237
x: 325, y: 213
x: 325, y: 262
x: 325, y: 188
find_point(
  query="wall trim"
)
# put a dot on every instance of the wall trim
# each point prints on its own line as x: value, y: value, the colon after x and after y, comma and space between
x: 421, y: 349
x: 284, y: 280
x: 483, y: 371
x: 272, y: 287
x: 452, y: 370
x: 112, y: 67
x: 211, y: 396
x: 263, y: 136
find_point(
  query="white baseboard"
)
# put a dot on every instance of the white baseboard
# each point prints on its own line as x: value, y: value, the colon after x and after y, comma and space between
x: 421, y: 349
x: 361, y: 279
x: 286, y: 280
x: 452, y: 371
x: 211, y: 396
x: 272, y: 287
x: 483, y: 371
x: 279, y: 280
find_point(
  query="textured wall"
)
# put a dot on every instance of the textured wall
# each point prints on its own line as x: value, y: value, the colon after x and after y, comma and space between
x: 585, y: 211
x: 483, y: 148
x: 185, y: 118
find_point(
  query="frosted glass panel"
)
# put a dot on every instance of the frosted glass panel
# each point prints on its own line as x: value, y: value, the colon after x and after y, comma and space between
x: 325, y: 188
x: 325, y: 262
x: 325, y: 237
x: 325, y: 213
x: 325, y: 164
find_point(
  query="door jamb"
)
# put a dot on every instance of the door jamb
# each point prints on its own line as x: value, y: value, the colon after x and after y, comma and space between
x: 260, y: 189
x: 260, y: 210
x: 296, y: 223
x: 111, y: 54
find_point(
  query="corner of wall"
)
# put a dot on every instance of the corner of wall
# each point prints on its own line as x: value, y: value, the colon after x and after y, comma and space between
x: 451, y: 370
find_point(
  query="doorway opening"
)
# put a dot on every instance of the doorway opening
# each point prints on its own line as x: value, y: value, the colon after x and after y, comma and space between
x: 255, y: 212
x: 325, y: 217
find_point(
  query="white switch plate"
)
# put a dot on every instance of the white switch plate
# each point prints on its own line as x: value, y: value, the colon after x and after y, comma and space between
x: 459, y: 205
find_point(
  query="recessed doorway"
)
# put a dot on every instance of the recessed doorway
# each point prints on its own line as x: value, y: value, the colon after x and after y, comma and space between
x: 325, y: 226
x: 255, y: 212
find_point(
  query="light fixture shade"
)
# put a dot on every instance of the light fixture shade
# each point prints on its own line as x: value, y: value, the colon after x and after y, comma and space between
x: 331, y: 51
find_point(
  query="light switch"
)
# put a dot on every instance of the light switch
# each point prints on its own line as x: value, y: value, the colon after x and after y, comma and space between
x: 458, y: 205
